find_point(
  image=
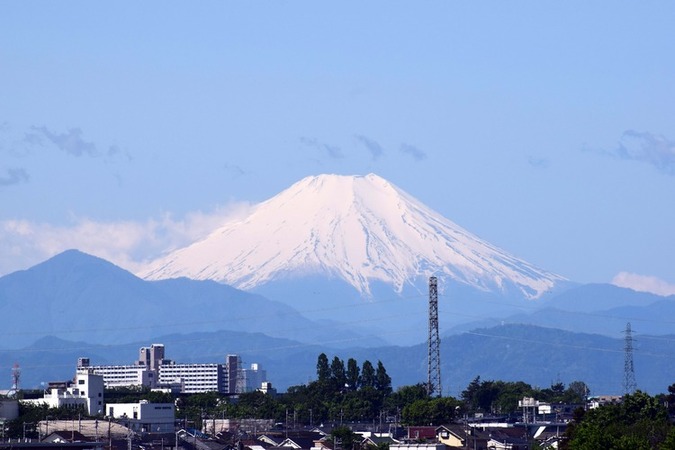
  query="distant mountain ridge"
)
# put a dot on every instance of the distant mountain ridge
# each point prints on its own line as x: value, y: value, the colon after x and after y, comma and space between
x: 592, y: 308
x: 91, y: 307
x: 358, y: 229
x: 538, y: 356
x: 78, y: 296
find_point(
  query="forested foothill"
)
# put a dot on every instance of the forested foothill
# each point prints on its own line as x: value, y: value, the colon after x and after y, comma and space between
x: 352, y: 395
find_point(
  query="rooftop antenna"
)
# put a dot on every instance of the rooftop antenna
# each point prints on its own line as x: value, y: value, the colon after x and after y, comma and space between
x: 434, y: 375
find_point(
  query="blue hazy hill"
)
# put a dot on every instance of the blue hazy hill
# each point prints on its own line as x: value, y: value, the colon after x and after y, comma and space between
x: 539, y: 356
x: 78, y: 305
x: 76, y: 296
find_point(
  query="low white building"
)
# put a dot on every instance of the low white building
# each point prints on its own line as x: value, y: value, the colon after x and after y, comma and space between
x: 144, y: 417
x: 85, y: 390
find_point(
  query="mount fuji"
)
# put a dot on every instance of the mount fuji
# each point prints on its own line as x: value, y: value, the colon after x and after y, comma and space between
x: 356, y: 228
x: 347, y: 240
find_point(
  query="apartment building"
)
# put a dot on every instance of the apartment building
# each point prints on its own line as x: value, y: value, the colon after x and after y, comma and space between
x: 153, y: 370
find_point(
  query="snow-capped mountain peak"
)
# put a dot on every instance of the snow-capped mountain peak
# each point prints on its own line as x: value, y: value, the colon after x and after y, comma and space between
x: 357, y: 228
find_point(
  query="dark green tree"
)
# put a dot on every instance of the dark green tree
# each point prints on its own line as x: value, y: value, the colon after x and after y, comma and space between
x: 508, y: 394
x: 361, y: 406
x: 343, y: 438
x: 337, y: 374
x: 406, y: 395
x: 259, y: 405
x: 416, y: 413
x: 670, y: 398
x: 577, y: 391
x: 558, y: 388
x: 310, y: 401
x: 470, y: 395
x: 638, y: 422
x: 669, y: 442
x: 495, y: 396
x: 353, y: 374
x: 322, y: 368
x: 367, y: 374
x: 382, y: 380
x: 197, y: 407
x: 431, y: 411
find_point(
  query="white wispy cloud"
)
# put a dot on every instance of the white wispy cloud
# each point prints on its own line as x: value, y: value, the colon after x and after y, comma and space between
x: 129, y: 244
x: 643, y: 283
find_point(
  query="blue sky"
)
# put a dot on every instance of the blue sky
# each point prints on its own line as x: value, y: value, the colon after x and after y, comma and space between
x: 546, y: 128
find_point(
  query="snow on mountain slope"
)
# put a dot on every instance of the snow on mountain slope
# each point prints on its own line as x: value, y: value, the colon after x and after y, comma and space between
x: 357, y: 228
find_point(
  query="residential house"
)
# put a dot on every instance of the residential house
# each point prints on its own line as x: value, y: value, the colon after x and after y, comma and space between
x: 453, y: 436
x: 62, y: 436
x: 292, y: 439
x: 515, y: 438
x: 376, y: 441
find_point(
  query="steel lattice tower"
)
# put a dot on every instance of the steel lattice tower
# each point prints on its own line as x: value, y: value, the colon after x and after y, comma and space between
x: 629, y: 384
x: 434, y: 375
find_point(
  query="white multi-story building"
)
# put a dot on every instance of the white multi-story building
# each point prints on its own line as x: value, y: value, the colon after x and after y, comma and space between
x: 144, y: 372
x: 156, y: 372
x: 195, y: 378
x: 86, y: 390
x: 121, y: 376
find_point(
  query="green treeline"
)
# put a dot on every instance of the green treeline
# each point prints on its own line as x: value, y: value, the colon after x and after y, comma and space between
x: 359, y: 392
x: 639, y: 422
x: 352, y: 392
